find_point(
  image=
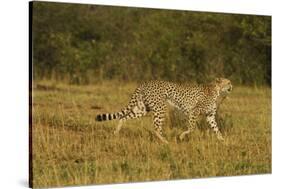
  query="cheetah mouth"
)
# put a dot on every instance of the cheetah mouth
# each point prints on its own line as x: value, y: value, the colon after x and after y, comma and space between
x: 229, y: 89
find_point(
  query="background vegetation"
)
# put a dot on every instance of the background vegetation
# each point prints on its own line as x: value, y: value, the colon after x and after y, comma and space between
x: 82, y: 44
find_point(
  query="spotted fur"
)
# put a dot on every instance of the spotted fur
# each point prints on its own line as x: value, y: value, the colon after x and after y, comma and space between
x: 192, y: 100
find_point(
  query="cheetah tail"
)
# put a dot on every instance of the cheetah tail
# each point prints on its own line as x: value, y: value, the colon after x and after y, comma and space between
x: 116, y: 115
x: 107, y: 116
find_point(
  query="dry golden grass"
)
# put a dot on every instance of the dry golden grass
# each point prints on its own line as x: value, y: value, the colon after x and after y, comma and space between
x: 70, y: 148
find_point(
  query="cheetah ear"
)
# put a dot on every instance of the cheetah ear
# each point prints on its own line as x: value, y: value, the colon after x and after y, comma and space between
x: 218, y: 80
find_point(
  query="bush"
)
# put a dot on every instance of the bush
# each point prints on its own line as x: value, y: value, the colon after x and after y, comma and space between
x: 85, y: 43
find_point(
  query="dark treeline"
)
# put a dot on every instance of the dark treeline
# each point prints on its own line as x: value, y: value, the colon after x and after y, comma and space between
x: 85, y: 43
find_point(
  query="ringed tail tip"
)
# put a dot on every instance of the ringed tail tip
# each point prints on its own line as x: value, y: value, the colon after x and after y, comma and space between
x: 99, y: 118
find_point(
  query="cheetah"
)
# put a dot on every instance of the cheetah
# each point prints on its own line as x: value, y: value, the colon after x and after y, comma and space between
x: 193, y: 100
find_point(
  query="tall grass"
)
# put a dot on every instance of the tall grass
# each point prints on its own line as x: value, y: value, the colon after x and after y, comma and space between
x: 70, y: 148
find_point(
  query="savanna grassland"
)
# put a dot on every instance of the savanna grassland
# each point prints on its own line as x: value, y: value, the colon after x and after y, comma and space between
x: 69, y: 147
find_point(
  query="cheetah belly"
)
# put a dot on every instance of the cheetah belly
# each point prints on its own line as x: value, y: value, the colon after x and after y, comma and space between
x: 173, y: 104
x: 186, y: 107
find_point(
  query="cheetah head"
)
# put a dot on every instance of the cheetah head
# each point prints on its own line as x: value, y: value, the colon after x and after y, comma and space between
x: 224, y: 85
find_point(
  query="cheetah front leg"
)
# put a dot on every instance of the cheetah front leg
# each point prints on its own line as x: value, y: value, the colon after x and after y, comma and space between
x: 211, y: 119
x: 158, y: 121
x: 192, y: 122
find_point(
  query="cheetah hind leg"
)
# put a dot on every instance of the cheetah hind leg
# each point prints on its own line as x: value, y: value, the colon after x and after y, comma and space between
x: 119, y: 126
x: 136, y: 112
